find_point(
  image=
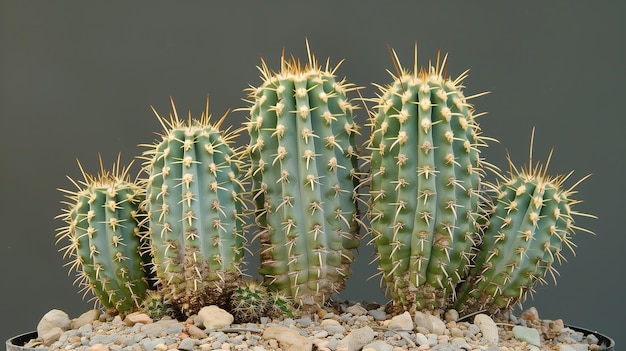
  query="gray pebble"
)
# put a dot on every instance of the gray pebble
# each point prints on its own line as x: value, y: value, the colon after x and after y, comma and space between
x: 378, y: 315
x: 187, y: 344
x: 149, y: 344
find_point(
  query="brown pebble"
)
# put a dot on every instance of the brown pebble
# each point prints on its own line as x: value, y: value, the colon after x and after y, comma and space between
x: 97, y: 347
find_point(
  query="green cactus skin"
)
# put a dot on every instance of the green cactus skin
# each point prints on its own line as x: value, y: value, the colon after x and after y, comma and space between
x: 105, y: 237
x: 425, y: 177
x: 195, y: 208
x: 530, y: 222
x: 303, y: 166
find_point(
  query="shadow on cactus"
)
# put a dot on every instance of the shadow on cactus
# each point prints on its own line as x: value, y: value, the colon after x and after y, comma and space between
x: 195, y: 211
x: 303, y: 165
x: 425, y: 184
x: 530, y: 222
x: 105, y: 238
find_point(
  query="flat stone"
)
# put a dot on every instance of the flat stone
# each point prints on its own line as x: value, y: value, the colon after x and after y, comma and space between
x: 137, y: 317
x: 51, y: 336
x: 187, y: 344
x: 530, y: 335
x: 85, y: 319
x: 288, y: 339
x: 356, y: 339
x: 157, y: 328
x: 196, y: 332
x: 487, y: 327
x: 213, y: 317
x: 356, y: 310
x: 401, y: 322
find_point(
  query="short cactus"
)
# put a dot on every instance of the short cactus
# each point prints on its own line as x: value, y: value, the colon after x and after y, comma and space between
x: 157, y: 306
x: 105, y: 238
x: 251, y: 301
x: 530, y: 222
x: 425, y: 177
x: 303, y: 164
x: 195, y: 208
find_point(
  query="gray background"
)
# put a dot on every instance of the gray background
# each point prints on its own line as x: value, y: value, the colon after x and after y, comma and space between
x: 77, y: 79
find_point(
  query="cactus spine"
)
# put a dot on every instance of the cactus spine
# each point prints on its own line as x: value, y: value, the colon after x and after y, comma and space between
x: 425, y: 178
x: 105, y: 238
x: 303, y: 166
x: 195, y: 204
x: 530, y: 222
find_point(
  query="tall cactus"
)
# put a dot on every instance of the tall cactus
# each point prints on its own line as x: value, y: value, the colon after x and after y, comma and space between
x: 195, y: 204
x: 303, y: 166
x: 425, y: 175
x: 105, y: 238
x: 530, y: 222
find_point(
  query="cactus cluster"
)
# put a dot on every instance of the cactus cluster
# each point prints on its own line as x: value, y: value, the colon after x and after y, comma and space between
x: 251, y: 301
x: 444, y: 237
x: 105, y: 238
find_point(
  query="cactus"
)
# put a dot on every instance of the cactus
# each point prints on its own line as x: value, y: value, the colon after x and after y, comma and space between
x: 303, y: 163
x: 425, y: 177
x: 251, y: 301
x: 195, y: 209
x: 105, y: 238
x: 157, y: 306
x: 530, y: 222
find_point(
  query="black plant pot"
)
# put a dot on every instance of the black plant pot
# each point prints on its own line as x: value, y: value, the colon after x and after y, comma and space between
x: 17, y: 343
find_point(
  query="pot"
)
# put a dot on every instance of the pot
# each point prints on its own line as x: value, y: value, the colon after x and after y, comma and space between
x: 17, y: 343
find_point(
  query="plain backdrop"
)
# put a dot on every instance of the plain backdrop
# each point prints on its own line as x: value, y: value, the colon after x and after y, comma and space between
x: 78, y: 78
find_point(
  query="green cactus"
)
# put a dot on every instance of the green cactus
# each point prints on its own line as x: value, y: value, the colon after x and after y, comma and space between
x: 157, y: 306
x: 195, y: 208
x: 303, y: 166
x: 529, y: 223
x: 105, y: 237
x: 251, y: 301
x: 425, y: 177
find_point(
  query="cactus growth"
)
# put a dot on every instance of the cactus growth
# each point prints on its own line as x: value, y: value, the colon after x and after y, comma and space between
x: 195, y: 211
x: 303, y: 163
x: 530, y: 222
x: 105, y: 238
x: 436, y: 244
x: 425, y: 179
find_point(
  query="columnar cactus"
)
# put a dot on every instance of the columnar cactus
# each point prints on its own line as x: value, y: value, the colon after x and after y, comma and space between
x: 303, y: 166
x: 105, y: 238
x: 195, y: 208
x: 530, y: 222
x: 425, y: 175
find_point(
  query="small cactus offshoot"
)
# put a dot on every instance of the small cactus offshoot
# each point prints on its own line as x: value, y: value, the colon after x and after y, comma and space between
x: 251, y: 301
x: 105, y: 239
x: 531, y: 221
x: 195, y: 209
x: 425, y: 176
x: 303, y: 163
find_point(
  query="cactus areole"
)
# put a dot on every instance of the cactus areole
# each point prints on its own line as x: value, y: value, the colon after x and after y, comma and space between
x: 195, y: 211
x: 425, y: 178
x: 303, y: 167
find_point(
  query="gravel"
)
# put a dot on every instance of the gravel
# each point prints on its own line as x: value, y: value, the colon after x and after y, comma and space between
x: 345, y: 327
